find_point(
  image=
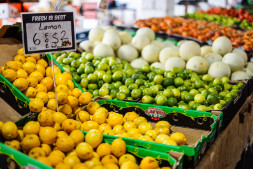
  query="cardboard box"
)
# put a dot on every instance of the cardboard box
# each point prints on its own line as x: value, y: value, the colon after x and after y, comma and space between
x: 10, y: 10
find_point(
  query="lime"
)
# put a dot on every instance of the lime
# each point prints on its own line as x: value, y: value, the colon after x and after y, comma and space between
x: 159, y: 71
x: 191, y: 103
x: 198, y: 84
x: 225, y: 80
x: 176, y: 93
x: 154, y: 90
x: 59, y: 60
x: 207, y: 78
x: 151, y: 76
x: 75, y: 63
x: 83, y: 60
x: 92, y: 86
x: 184, y: 106
x: 88, y: 70
x: 147, y: 91
x: 80, y: 70
x: 201, y: 108
x: 227, y: 86
x: 103, y: 66
x: 89, y: 56
x: 178, y: 81
x: 136, y: 76
x: 171, y: 87
x: 182, y: 94
x: 194, y: 78
x: 112, y: 61
x: 167, y: 82
x: 114, y: 92
x: 117, y: 76
x: 145, y: 68
x: 66, y: 61
x: 93, y: 78
x: 133, y: 86
x: 199, y: 98
x: 239, y: 84
x: 117, y: 84
x: 139, y: 82
x: 129, y: 81
x: 160, y: 87
x: 187, y: 83
x: 130, y: 72
x: 124, y: 89
x: 110, y: 87
x: 182, y: 75
x: 117, y: 67
x: 158, y: 79
x: 103, y: 91
x: 147, y: 99
x: 172, y: 101
x: 83, y: 54
x: 107, y: 78
x: 168, y: 93
x: 205, y: 93
x: 84, y: 82
x: 184, y: 88
x: 95, y: 93
x: 188, y: 97
x: 217, y: 106
x: 217, y: 81
x: 73, y: 54
x: 100, y: 83
x: 161, y: 100
x: 177, y: 69
x: 212, y: 90
x: 169, y: 74
x: 77, y: 78
x: 121, y: 96
x: 159, y: 93
x: 195, y: 106
x: 136, y: 93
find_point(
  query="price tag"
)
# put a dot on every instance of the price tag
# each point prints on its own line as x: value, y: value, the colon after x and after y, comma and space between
x: 48, y: 32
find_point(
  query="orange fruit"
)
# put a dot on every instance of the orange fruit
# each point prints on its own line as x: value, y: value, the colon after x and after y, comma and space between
x: 31, y: 59
x: 21, y: 74
x: 109, y: 159
x: 36, y: 105
x: 29, y: 67
x: 30, y: 141
x: 71, y: 84
x: 118, y: 147
x: 48, y: 135
x: 46, y: 148
x: 80, y: 166
x: 45, y: 118
x: 179, y: 138
x: 32, y: 81
x: 41, y: 88
x: 84, y: 151
x: 82, y: 116
x: 149, y: 163
x: 161, y: 138
x: 76, y: 92
x: 65, y: 144
x: 42, y: 96
x: 111, y: 166
x: 100, y: 115
x: 9, y: 130
x: 42, y: 62
x: 77, y: 136
x: 69, y: 125
x: 65, y: 109
x: 48, y: 83
x: 92, y: 107
x: 41, y: 69
x: 59, y: 117
x: 129, y: 165
x: 19, y: 58
x: 67, y: 75
x: 115, y: 119
x: 104, y: 126
x: 144, y: 127
x: 35, y: 56
x: 58, y: 153
x: 140, y: 120
x: 85, y: 98
x: 44, y: 160
x: 15, y: 144
x: 51, y: 95
x: 11, y: 65
x: 130, y: 116
x: 104, y: 149
x: 10, y: 74
x: 37, y: 152
x: 94, y: 137
x: 21, y: 84
x: 62, y: 166
x: 72, y: 101
x: 62, y: 88
x: 30, y: 92
x: 62, y: 97
x: 52, y: 105
x: 89, y: 125
x: 32, y: 127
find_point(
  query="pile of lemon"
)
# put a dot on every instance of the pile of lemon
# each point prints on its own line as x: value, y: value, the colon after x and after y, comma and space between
x: 71, y: 150
x: 32, y: 75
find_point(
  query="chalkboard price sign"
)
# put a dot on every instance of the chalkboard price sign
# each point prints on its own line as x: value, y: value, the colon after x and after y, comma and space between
x: 48, y: 32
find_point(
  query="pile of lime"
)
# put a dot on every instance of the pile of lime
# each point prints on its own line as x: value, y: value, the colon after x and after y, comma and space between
x: 115, y: 79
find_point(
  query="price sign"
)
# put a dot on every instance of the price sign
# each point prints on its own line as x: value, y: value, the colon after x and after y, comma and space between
x: 48, y: 32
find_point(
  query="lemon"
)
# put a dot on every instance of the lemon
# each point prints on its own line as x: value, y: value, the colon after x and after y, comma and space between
x: 104, y: 149
x: 118, y: 147
x: 94, y: 137
x: 84, y: 151
x: 126, y: 157
x: 179, y: 138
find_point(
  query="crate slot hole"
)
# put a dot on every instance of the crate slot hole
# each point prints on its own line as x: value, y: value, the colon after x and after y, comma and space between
x: 175, y: 118
x: 2, y: 89
x: 200, y: 121
x: 20, y: 106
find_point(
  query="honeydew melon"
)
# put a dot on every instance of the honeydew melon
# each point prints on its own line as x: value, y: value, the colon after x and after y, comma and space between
x: 197, y: 64
x: 189, y: 49
x: 127, y: 52
x: 222, y: 45
x: 219, y: 70
x: 167, y: 53
x: 234, y: 61
x: 174, y: 62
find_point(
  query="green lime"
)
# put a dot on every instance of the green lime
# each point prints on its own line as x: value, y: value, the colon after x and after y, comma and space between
x: 188, y: 97
x: 168, y: 93
x: 167, y: 82
x: 154, y: 90
x: 129, y: 81
x: 84, y: 82
x: 217, y: 81
x: 77, y: 78
x: 110, y: 87
x: 207, y: 78
x: 161, y: 100
x: 191, y: 103
x: 227, y: 86
x: 59, y: 60
x: 151, y: 76
x: 135, y: 76
x: 171, y: 87
x: 117, y: 84
x: 239, y: 84
x: 147, y: 91
x: 112, y: 61
x: 66, y: 61
x: 158, y: 79
x: 159, y: 71
x: 194, y: 78
x: 217, y: 106
x: 172, y: 101
x: 124, y: 89
x: 107, y: 78
x: 114, y: 92
x: 212, y: 90
x: 95, y: 93
x: 182, y: 75
x: 178, y: 81
x: 198, y: 84
x: 103, y: 66
x: 103, y: 91
x: 133, y: 86
x: 83, y: 54
x: 93, y: 78
x: 83, y: 60
x: 88, y: 70
x: 139, y: 82
x: 75, y: 63
x: 177, y: 69
x: 121, y: 96
x: 92, y: 86
x: 202, y: 108
x: 176, y: 93
x: 184, y: 88
x: 117, y: 76
x: 182, y: 94
x: 89, y: 56
x: 205, y: 93
x: 136, y: 93
x: 145, y: 68
x: 80, y: 70
x: 169, y: 74
x: 130, y: 72
x: 225, y: 80
x: 184, y: 106
x: 195, y: 106
x: 199, y: 98
x: 147, y: 99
